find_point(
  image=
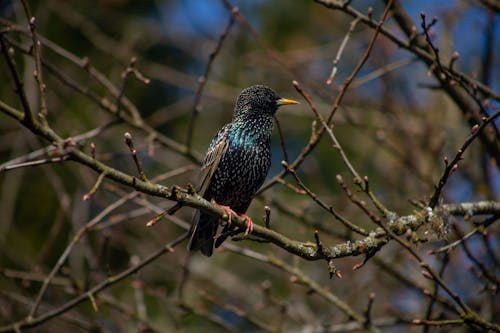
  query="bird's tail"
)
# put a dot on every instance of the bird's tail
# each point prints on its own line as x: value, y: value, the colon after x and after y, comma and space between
x: 203, y: 232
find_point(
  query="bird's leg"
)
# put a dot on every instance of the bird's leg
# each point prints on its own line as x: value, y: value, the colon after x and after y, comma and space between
x: 230, y: 212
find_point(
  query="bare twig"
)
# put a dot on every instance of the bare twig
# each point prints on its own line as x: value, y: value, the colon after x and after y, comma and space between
x: 411, y: 46
x: 282, y: 140
x: 453, y: 165
x: 341, y: 50
x: 481, y: 227
x: 95, y: 187
x: 33, y: 321
x: 37, y: 53
x: 124, y: 76
x: 432, y: 301
x: 18, y: 85
x: 328, y: 129
x: 33, y: 163
x: 267, y: 217
x: 133, y: 151
x: 368, y: 310
x: 202, y: 80
x: 323, y: 205
x: 489, y: 275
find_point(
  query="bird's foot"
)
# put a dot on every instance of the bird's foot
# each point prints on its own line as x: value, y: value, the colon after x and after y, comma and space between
x: 249, y: 221
x: 228, y: 211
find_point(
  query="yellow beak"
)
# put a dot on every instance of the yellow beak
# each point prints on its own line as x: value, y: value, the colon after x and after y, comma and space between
x: 285, y: 101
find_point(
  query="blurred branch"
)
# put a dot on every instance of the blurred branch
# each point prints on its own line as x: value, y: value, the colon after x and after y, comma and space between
x: 38, y: 73
x: 410, y: 281
x: 33, y: 321
x: 202, y: 80
x: 446, y: 77
x: 488, y: 275
x: 126, y: 309
x: 493, y: 5
x: 208, y: 316
x: 104, y: 103
x: 408, y: 27
x: 435, y: 291
x: 323, y: 205
x: 299, y: 277
x: 341, y: 50
x: 118, y: 50
x: 18, y: 85
x: 260, y: 324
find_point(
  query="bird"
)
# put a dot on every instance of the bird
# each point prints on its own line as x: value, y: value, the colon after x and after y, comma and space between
x: 236, y: 165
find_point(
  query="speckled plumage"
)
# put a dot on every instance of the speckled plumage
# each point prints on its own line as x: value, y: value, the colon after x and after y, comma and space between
x: 237, y: 161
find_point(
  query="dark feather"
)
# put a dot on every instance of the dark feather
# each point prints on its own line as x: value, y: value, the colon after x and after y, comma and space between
x: 203, y: 233
x: 204, y: 227
x: 216, y: 151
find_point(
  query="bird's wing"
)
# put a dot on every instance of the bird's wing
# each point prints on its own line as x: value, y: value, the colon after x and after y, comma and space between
x: 216, y: 151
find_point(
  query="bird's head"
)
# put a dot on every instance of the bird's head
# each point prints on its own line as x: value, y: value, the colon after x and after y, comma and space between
x: 258, y: 101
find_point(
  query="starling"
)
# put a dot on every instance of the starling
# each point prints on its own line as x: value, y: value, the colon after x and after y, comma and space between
x: 236, y: 164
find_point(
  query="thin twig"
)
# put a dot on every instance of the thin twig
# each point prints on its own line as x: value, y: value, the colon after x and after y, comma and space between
x: 135, y: 120
x: 95, y: 187
x: 258, y: 323
x: 44, y: 161
x: 435, y: 291
x: 426, y: 27
x: 202, y: 80
x: 328, y: 129
x: 133, y: 151
x: 33, y: 321
x: 18, y: 85
x: 453, y: 165
x: 481, y: 227
x: 323, y: 205
x: 361, y: 204
x: 300, y: 278
x: 382, y: 71
x: 82, y: 231
x: 124, y: 77
x: 37, y: 54
x: 438, y: 323
x: 267, y: 217
x: 414, y: 48
x: 282, y: 140
x: 341, y: 50
x: 368, y: 310
x: 487, y: 274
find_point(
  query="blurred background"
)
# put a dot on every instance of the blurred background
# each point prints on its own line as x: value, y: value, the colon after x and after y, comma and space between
x: 395, y: 124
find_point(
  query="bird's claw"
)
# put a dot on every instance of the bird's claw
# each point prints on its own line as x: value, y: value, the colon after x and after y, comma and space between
x: 231, y: 212
x: 249, y: 221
